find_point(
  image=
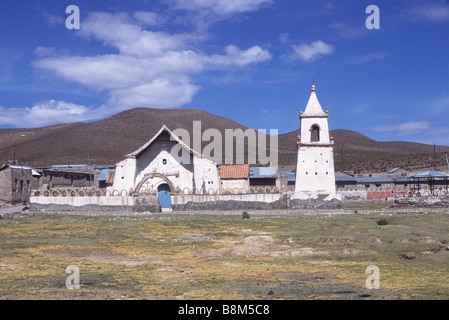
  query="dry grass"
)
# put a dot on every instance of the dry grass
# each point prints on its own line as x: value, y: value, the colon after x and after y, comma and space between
x: 225, y: 257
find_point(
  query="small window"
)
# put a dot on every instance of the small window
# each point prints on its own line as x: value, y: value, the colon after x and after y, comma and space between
x: 164, y: 161
x: 315, y: 133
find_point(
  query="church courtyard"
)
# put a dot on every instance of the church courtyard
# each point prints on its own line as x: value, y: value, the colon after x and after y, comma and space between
x: 279, y: 254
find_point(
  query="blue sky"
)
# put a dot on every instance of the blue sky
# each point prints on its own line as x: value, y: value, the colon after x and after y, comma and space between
x: 250, y: 60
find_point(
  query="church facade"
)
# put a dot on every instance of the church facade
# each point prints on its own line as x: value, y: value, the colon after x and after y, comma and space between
x: 167, y: 164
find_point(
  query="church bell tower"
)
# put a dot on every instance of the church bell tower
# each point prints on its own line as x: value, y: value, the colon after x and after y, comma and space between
x: 315, y: 176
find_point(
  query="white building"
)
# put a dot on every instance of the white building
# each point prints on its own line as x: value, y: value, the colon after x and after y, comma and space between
x: 315, y: 161
x: 165, y: 163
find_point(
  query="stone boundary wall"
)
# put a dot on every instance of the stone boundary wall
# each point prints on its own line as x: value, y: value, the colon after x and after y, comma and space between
x: 79, y: 201
x: 229, y: 201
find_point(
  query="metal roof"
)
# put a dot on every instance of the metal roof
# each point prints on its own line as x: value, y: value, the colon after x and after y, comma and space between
x: 103, y: 176
x: 106, y: 175
x: 375, y: 180
x: 291, y: 176
x: 394, y: 170
x: 262, y: 172
x: 77, y: 166
x: 431, y: 174
x: 345, y: 179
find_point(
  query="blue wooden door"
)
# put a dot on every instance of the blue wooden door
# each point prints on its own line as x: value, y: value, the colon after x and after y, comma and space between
x: 163, y: 193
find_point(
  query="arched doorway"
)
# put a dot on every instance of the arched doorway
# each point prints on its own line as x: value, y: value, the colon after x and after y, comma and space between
x: 163, y: 194
x: 153, y: 175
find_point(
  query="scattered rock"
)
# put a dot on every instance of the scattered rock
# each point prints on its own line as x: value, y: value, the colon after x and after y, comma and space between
x: 407, y: 256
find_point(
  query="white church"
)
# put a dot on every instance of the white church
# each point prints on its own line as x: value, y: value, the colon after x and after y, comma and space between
x: 156, y: 168
x: 160, y: 165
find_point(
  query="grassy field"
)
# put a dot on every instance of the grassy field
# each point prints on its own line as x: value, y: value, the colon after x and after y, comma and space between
x: 169, y: 256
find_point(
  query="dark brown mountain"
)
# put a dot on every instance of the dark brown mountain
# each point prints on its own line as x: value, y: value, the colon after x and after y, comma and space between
x: 107, y: 141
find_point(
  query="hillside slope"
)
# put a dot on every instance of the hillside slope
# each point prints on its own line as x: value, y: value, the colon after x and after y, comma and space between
x: 107, y: 141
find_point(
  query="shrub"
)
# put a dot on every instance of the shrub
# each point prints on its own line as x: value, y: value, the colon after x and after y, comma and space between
x: 382, y: 222
x: 245, y: 215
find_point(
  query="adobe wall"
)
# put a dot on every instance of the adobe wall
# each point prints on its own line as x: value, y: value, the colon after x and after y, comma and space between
x: 15, y: 185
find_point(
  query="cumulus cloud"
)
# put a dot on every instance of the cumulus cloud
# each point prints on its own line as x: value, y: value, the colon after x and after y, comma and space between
x: 151, y: 69
x: 45, y: 113
x: 311, y: 52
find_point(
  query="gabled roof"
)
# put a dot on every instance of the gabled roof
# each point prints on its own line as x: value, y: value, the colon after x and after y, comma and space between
x: 161, y: 130
x: 313, y: 106
x: 234, y: 172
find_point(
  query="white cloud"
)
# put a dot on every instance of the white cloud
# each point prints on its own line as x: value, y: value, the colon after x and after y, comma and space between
x: 222, y: 7
x: 54, y: 20
x: 436, y: 12
x: 347, y: 31
x: 46, y: 113
x: 160, y: 93
x: 42, y: 51
x: 405, y: 128
x: 311, y: 52
x: 369, y: 57
x: 152, y: 69
x: 148, y: 18
x: 236, y: 57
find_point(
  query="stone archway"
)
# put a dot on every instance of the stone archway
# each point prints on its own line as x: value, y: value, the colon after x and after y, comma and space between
x: 154, y: 175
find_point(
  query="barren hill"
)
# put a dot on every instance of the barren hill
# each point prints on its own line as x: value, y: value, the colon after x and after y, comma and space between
x: 107, y: 141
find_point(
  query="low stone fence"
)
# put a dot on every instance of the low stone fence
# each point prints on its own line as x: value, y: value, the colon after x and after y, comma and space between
x: 422, y: 202
x: 183, y: 202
